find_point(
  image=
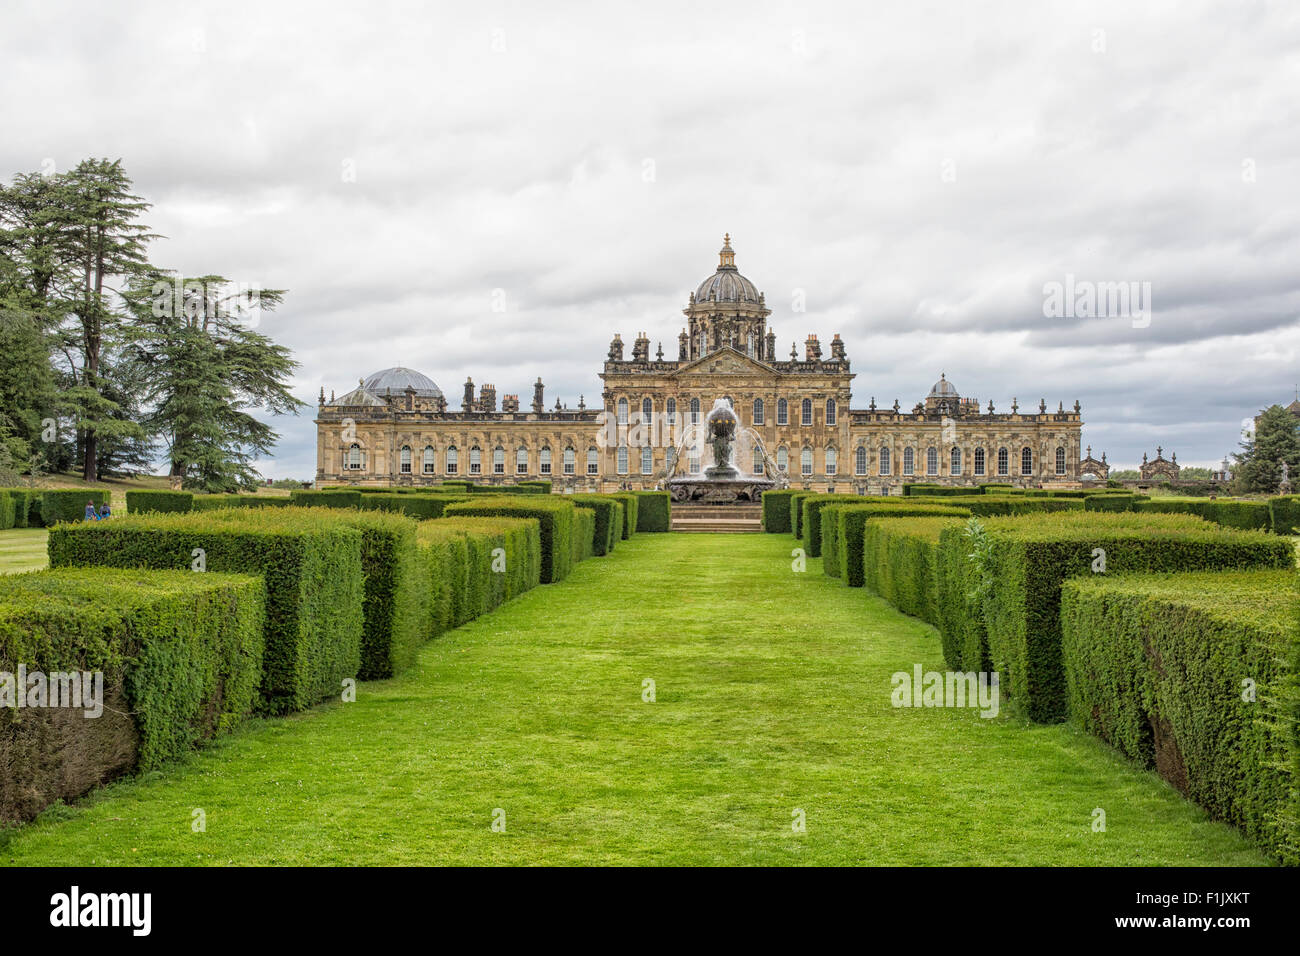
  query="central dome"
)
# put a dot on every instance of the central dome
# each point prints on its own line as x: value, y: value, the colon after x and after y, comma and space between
x: 393, y: 383
x: 727, y: 284
x: 943, y: 388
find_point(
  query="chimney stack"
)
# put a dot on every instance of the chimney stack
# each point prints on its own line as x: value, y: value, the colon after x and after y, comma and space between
x: 538, y: 404
x: 487, y: 398
x: 467, y: 400
x: 813, y: 349
x: 641, y: 349
x: 510, y: 403
x: 837, y: 349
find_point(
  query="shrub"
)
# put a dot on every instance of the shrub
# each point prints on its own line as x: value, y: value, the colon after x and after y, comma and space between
x: 654, y: 511
x: 609, y: 520
x: 543, y: 485
x: 8, y: 508
x: 313, y: 573
x: 988, y: 506
x: 138, y: 502
x: 584, y: 534
x: 902, y: 554
x: 70, y: 504
x: 937, y: 491
x: 419, y: 506
x: 776, y: 511
x: 796, y: 512
x: 961, y: 585
x: 631, y: 512
x: 326, y: 499
x: 1155, y: 665
x: 845, y: 551
x: 180, y: 655
x: 1115, y: 502
x: 1284, y: 514
x: 555, y: 518
x: 459, y: 564
x: 1029, y: 558
x: 27, y: 506
x: 214, y: 502
x: 811, y: 506
x: 1243, y: 515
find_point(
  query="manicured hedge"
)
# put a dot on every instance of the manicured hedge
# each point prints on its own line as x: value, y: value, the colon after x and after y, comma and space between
x: 180, y: 655
x: 776, y: 511
x: 1284, y: 514
x: 631, y: 512
x: 654, y: 511
x: 937, y: 491
x: 554, y: 515
x: 27, y: 506
x: 1116, y: 502
x: 609, y: 520
x: 459, y: 561
x: 988, y: 506
x: 842, y: 550
x: 59, y: 504
x: 796, y: 511
x: 901, y: 557
x: 1029, y: 557
x: 8, y: 508
x: 215, y: 502
x: 313, y: 572
x: 1187, y: 674
x: 139, y: 502
x: 960, y: 596
x: 584, y: 534
x: 541, y: 484
x: 810, y: 523
x: 1243, y: 515
x: 419, y: 506
x: 326, y: 499
x: 994, y: 488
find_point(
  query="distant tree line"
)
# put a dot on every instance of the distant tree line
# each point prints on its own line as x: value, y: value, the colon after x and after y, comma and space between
x: 109, y: 362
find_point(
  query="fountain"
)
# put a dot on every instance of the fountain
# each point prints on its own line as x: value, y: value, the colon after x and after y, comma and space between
x: 722, y: 482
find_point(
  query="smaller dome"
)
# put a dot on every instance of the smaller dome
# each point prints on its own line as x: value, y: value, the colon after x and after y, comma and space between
x: 943, y: 388
x: 358, y: 397
x: 393, y: 383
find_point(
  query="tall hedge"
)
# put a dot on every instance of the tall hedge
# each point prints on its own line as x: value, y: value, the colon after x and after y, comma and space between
x: 1284, y: 514
x: 459, y: 562
x: 555, y: 518
x: 654, y: 511
x: 8, y: 509
x: 843, y: 528
x: 419, y: 506
x: 1029, y: 558
x: 1116, y: 502
x: 631, y: 512
x: 776, y: 511
x: 796, y: 511
x: 609, y: 520
x: 139, y: 502
x: 584, y: 534
x: 333, y: 498
x: 312, y: 569
x: 1243, y: 515
x: 180, y: 655
x: 1187, y: 674
x: 960, y: 584
x: 811, y: 506
x: 27, y: 506
x: 62, y: 504
x: 901, y: 556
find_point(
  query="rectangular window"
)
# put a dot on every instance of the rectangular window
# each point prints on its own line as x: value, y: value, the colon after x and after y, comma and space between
x: 622, y: 460
x: 647, y: 460
x: 475, y: 461
x: 593, y: 461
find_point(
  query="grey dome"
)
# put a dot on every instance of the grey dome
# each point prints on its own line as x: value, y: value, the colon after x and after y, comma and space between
x: 943, y: 388
x: 393, y: 383
x: 727, y: 284
x: 358, y: 397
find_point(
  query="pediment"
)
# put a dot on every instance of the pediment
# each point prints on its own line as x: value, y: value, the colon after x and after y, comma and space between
x: 725, y: 361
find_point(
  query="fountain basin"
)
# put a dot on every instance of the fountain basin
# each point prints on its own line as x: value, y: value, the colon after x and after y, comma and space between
x: 719, y: 491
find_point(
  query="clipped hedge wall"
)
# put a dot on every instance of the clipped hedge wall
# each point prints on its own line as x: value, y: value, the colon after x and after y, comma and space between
x: 180, y: 654
x: 311, y: 566
x: 1116, y: 502
x: 902, y: 558
x: 27, y: 506
x: 555, y: 518
x: 8, y: 509
x: 960, y: 596
x: 842, y: 553
x: 1030, y: 557
x: 139, y: 502
x: 609, y: 520
x: 810, y: 523
x: 1243, y: 515
x: 422, y: 507
x: 59, y: 504
x: 654, y: 511
x: 460, y: 566
x: 1284, y: 514
x: 326, y: 499
x: 776, y: 511
x: 584, y: 534
x: 796, y: 511
x: 631, y: 512
x: 1157, y: 665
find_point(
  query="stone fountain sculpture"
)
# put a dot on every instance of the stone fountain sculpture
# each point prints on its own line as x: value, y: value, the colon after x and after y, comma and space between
x: 722, y: 482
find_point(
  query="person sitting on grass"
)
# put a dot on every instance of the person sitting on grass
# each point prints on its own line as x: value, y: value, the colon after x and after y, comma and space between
x: 105, y: 512
x: 91, y: 513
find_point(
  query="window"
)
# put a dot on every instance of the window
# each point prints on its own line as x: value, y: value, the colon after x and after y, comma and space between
x: 498, y: 461
x: 695, y: 411
x: 860, y: 461
x: 782, y: 412
x: 884, y: 460
x: 1026, y: 461
x: 832, y: 460
x: 805, y: 462
x: 979, y: 462
x: 806, y: 410
x: 782, y: 459
x: 593, y: 461
x: 758, y: 411
x: 521, y: 461
x: 570, y: 461
x: 622, y: 411
x: 430, y: 462
x: 758, y: 460
x: 695, y: 462
x: 909, y: 461
x: 453, y: 459
x: 954, y: 461
x: 1060, y: 461
x: 476, y: 461
x: 544, y: 461
x: 647, y: 411
x: 406, y: 459
x: 622, y: 459
x: 672, y: 411
x: 647, y: 460
x: 1002, y: 461
x: 354, y: 458
x: 830, y: 411
x: 931, y: 461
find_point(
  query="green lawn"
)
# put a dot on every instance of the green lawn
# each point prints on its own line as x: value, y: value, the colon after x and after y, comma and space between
x: 22, y: 549
x: 773, y: 695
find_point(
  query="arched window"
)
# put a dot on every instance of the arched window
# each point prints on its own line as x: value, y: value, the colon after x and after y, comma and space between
x: 672, y: 411
x: 476, y: 460
x: 931, y: 461
x: 622, y: 411
x: 954, y: 461
x: 979, y: 462
x: 354, y: 458
x: 570, y: 461
x: 521, y: 461
x: 647, y: 460
x: 909, y: 461
x: 782, y: 459
x: 758, y: 411
x: 805, y: 462
x: 758, y: 460
x: 544, y: 461
x: 1003, y: 461
x: 498, y: 460
x: 832, y: 460
x: 593, y: 461
x: 406, y: 459
x: 806, y: 409
x: 1026, y: 461
x: 695, y: 411
x: 622, y: 459
x: 647, y: 410
x: 430, y: 460
x: 830, y: 411
x: 860, y: 460
x: 782, y: 412
x: 453, y: 460
x: 1060, y: 461
x: 885, y: 463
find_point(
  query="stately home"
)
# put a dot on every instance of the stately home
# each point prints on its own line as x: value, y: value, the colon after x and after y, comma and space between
x: 797, y: 421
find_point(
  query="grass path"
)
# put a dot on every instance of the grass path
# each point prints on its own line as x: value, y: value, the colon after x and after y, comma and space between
x: 23, y: 549
x: 772, y: 695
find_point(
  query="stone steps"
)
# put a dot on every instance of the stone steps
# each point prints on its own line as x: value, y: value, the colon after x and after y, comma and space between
x: 728, y: 519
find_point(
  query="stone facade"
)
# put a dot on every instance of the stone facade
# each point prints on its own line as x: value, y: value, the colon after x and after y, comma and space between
x: 796, y: 420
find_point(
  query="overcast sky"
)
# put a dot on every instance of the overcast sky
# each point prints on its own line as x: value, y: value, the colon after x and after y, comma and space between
x: 913, y: 174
